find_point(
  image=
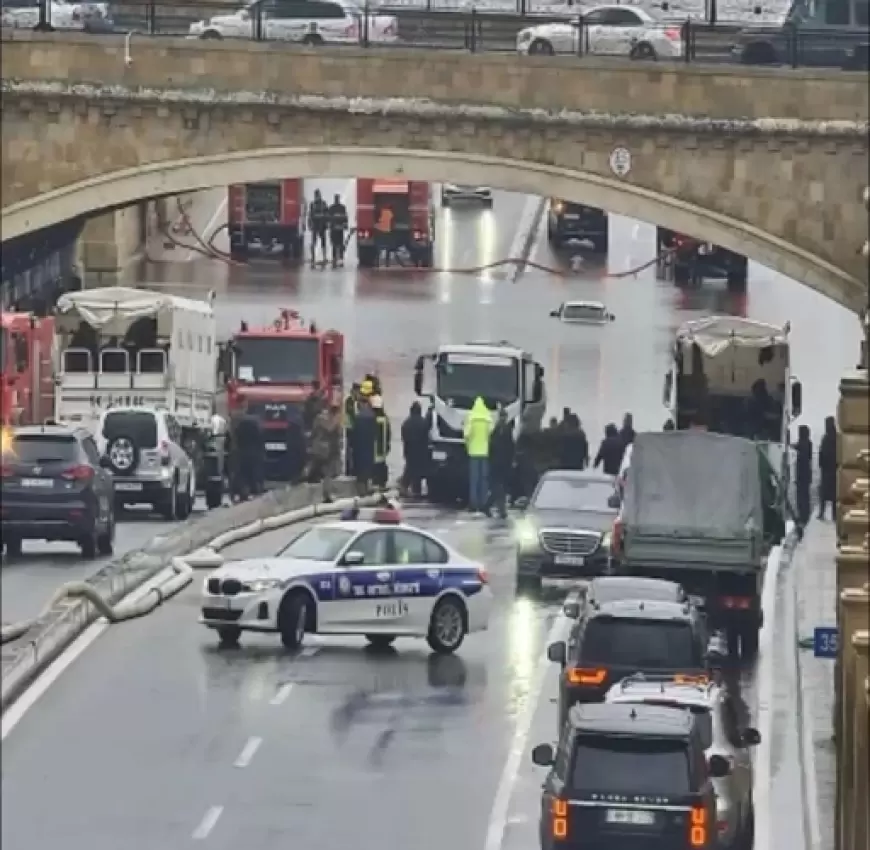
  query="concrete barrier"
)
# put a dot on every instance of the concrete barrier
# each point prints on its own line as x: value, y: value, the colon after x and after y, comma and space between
x: 24, y: 658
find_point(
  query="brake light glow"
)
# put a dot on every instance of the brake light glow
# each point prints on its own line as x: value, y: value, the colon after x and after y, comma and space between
x: 80, y: 472
x: 582, y: 676
x: 6, y: 471
x: 560, y: 818
x: 364, y: 234
x: 722, y: 826
x: 741, y: 603
x: 164, y: 453
x: 698, y: 827
x: 672, y: 34
x: 683, y: 679
x: 483, y: 576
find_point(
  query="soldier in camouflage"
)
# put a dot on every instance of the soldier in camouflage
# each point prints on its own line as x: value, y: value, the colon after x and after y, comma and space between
x: 326, y: 449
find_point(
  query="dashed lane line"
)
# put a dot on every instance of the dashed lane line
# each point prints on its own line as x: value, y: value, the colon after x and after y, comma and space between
x: 208, y: 823
x: 248, y: 752
x: 281, y: 695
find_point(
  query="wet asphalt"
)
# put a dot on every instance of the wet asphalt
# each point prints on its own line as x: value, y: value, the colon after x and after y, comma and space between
x: 155, y: 739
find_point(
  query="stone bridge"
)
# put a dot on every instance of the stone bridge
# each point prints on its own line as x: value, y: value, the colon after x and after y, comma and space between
x: 767, y: 162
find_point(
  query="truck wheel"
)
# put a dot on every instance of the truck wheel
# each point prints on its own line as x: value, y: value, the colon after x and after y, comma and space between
x: 214, y: 495
x: 749, y: 643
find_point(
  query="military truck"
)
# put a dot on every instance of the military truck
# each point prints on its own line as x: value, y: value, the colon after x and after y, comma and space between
x: 703, y: 510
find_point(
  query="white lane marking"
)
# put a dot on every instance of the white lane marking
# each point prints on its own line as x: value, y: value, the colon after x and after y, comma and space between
x: 248, y: 752
x: 207, y: 824
x: 282, y: 694
x: 309, y: 651
x: 205, y: 233
x: 765, y: 690
x: 499, y: 815
x: 44, y: 681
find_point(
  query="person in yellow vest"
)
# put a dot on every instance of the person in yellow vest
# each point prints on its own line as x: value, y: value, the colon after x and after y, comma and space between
x: 477, y: 430
x: 383, y: 439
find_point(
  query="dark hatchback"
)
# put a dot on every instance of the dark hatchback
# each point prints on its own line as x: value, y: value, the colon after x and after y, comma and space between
x: 614, y: 640
x: 629, y: 778
x: 565, y: 532
x: 55, y: 488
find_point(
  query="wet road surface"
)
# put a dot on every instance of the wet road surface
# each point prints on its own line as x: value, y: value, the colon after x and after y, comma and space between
x: 386, y: 752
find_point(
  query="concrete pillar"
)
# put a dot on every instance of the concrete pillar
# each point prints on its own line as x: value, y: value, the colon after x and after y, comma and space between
x: 111, y: 244
x: 857, y: 832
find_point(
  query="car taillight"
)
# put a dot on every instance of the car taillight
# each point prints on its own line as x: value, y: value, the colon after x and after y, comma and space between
x: 6, y: 471
x: 559, y: 823
x: 164, y: 453
x: 80, y: 472
x: 684, y: 679
x: 722, y: 826
x: 483, y: 576
x: 673, y: 34
x: 584, y: 676
x: 418, y: 234
x: 698, y: 827
x: 616, y: 536
x: 741, y: 603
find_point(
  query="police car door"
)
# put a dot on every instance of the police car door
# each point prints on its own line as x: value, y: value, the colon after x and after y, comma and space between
x: 363, y: 600
x: 418, y: 577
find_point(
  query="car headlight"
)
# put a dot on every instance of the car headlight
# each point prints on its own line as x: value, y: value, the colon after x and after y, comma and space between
x: 523, y: 36
x: 526, y: 534
x: 606, y: 539
x: 264, y: 584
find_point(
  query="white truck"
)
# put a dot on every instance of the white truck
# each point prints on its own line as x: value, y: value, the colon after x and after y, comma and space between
x: 733, y: 376
x: 124, y: 347
x: 504, y: 375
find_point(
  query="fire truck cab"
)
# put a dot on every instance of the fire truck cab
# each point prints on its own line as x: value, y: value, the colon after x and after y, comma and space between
x: 411, y: 225
x: 263, y: 216
x: 272, y: 370
x: 26, y: 369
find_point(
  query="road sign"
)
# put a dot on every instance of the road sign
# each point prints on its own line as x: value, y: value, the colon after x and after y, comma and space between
x: 826, y: 641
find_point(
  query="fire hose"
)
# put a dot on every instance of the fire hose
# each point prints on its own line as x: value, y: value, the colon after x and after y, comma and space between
x: 209, y: 250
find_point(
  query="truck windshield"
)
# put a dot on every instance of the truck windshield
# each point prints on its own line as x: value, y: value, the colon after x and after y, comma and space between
x: 263, y: 202
x: 462, y: 380
x: 630, y: 765
x: 278, y: 360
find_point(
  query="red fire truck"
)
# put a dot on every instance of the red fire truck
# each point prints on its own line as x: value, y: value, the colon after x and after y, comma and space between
x: 262, y: 216
x: 26, y: 369
x: 273, y: 369
x: 412, y: 222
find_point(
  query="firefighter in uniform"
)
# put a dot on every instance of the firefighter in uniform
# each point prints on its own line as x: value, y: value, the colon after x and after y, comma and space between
x: 351, y: 405
x: 383, y: 438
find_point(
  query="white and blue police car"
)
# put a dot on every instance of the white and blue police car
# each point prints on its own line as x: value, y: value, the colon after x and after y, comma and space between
x: 379, y: 578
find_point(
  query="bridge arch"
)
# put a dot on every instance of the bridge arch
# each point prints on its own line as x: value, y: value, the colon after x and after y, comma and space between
x: 122, y: 187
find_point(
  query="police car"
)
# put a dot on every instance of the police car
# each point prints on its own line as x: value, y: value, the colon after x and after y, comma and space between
x: 379, y: 578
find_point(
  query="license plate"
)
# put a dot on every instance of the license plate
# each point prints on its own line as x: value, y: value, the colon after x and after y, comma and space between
x: 569, y: 560
x: 276, y: 447
x: 631, y: 816
x: 439, y: 455
x: 129, y: 486
x: 390, y: 610
x: 572, y: 217
x: 37, y: 482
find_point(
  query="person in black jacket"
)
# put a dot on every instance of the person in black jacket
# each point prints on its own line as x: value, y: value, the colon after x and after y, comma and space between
x: 575, y: 446
x: 610, y: 451
x: 247, y: 455
x: 828, y: 469
x: 337, y: 229
x: 627, y: 432
x: 501, y: 464
x: 364, y: 435
x: 803, y: 475
x: 415, y: 446
x: 318, y: 224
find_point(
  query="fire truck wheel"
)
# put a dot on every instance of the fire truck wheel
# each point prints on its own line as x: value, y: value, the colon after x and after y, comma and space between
x: 424, y: 257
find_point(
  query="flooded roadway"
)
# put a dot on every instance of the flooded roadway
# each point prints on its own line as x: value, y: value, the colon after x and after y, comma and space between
x: 155, y: 739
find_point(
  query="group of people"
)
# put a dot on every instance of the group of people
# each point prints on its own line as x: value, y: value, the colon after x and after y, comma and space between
x: 329, y: 219
x: 368, y: 435
x: 827, y: 463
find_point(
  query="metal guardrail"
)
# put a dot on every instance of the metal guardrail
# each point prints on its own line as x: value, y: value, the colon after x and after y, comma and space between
x: 473, y: 30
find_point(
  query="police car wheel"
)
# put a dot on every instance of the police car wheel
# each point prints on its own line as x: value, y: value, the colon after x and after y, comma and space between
x: 292, y: 619
x: 448, y: 626
x: 229, y: 636
x: 380, y: 641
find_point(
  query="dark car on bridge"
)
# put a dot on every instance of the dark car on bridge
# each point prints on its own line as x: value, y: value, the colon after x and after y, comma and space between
x: 565, y: 532
x: 54, y: 487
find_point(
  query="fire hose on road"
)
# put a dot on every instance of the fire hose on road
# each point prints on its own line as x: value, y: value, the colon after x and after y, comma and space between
x: 208, y: 249
x: 183, y: 568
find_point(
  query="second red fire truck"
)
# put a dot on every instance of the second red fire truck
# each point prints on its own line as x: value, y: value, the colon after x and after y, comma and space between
x: 267, y: 216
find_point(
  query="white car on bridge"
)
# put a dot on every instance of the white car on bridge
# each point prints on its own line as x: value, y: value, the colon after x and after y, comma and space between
x: 380, y: 578
x: 24, y: 14
x: 312, y: 22
x: 606, y: 31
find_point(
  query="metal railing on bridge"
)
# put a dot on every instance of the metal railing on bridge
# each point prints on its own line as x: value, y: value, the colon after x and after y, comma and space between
x: 470, y: 28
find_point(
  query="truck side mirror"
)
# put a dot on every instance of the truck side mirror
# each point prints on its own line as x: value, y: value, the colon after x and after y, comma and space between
x: 797, y: 398
x: 558, y: 652
x: 555, y: 314
x: 418, y: 382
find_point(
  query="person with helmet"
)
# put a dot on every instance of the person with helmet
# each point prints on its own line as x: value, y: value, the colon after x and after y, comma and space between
x: 383, y: 438
x: 363, y: 442
x: 318, y: 224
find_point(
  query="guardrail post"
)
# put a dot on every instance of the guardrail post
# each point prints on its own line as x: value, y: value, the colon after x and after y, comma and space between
x: 364, y: 30
x: 686, y: 38
x: 580, y: 29
x: 257, y: 23
x: 44, y: 23
x: 474, y: 33
x: 151, y: 17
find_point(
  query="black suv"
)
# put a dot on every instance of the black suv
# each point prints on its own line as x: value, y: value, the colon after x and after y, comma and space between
x: 55, y: 487
x: 629, y: 777
x: 613, y: 640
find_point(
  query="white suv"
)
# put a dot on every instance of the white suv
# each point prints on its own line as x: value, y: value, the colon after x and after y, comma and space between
x: 312, y: 22
x: 144, y: 452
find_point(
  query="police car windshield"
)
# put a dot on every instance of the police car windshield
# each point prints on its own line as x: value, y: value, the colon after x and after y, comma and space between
x: 640, y: 644
x: 630, y: 766
x: 278, y: 360
x: 461, y: 380
x: 318, y: 544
